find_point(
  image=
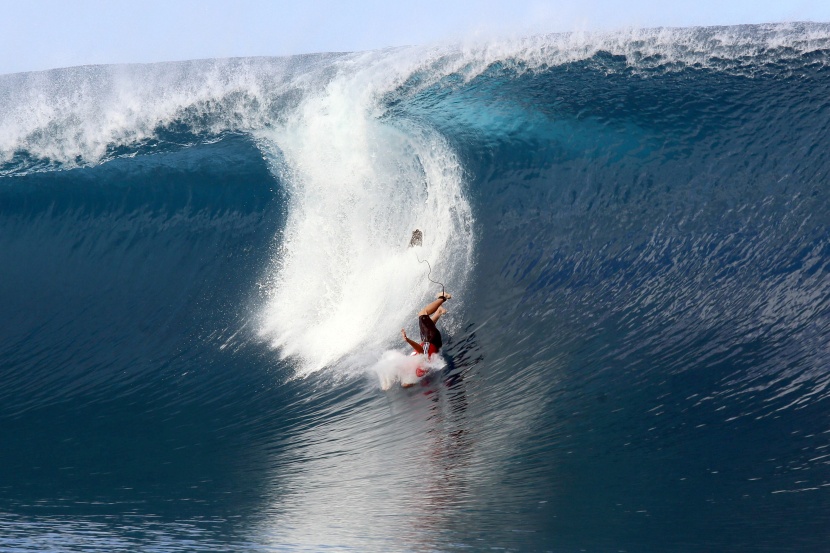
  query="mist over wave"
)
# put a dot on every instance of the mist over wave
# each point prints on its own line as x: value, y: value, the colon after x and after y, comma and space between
x: 205, y: 271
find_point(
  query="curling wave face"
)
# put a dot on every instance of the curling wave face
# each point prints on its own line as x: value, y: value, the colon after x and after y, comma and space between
x: 203, y: 262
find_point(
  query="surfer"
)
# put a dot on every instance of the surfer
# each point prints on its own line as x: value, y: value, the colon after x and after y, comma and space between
x: 431, y: 341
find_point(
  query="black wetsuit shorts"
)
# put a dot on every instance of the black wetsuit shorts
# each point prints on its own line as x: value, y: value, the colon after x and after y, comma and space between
x: 429, y: 333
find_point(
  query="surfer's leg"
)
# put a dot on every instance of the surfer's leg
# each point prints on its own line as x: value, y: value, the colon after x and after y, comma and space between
x: 437, y: 315
x: 433, y: 307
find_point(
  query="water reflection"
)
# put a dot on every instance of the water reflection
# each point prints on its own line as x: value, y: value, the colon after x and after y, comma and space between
x: 390, y: 471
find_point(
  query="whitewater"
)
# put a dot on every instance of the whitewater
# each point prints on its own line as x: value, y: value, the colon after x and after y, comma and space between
x: 205, y: 270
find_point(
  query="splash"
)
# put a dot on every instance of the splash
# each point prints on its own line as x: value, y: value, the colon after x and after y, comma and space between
x: 344, y: 280
x: 395, y: 367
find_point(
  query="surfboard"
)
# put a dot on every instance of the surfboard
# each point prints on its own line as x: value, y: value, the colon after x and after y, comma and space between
x: 420, y: 369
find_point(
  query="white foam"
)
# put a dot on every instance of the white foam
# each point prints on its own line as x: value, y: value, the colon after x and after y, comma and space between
x: 74, y: 116
x: 344, y: 279
x: 395, y: 367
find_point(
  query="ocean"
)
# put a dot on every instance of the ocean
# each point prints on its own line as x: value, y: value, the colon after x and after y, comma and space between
x: 204, y: 271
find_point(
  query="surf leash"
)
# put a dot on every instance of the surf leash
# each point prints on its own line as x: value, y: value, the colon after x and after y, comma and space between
x: 417, y: 240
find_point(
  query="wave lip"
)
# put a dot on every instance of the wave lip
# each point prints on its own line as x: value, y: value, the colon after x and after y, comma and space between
x: 85, y: 115
x: 81, y: 116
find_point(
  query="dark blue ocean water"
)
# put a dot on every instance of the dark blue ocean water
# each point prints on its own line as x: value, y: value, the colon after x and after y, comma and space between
x: 204, y: 271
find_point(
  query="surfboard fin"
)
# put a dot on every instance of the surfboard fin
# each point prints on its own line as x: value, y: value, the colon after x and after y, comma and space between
x: 417, y: 238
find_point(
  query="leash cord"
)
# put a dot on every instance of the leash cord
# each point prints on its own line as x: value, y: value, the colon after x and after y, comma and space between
x: 430, y: 272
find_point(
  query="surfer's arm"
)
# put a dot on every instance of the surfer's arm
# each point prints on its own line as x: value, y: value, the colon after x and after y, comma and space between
x: 415, y: 345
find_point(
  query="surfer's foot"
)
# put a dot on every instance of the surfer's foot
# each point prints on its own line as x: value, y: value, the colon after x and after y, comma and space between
x: 444, y: 296
x: 433, y: 307
x: 437, y: 315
